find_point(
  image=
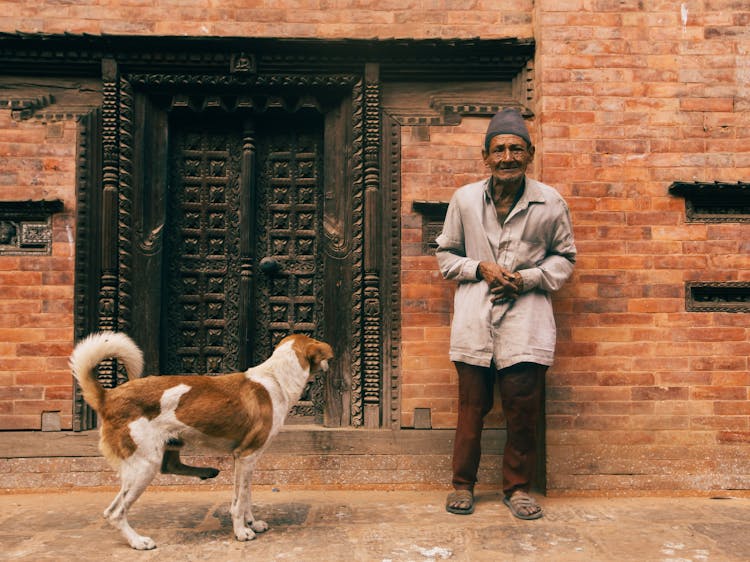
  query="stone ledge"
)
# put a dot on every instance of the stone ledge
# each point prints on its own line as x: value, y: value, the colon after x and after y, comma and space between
x: 298, y: 439
x: 301, y: 456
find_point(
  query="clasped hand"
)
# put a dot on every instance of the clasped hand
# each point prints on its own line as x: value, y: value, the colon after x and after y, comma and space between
x: 504, y: 285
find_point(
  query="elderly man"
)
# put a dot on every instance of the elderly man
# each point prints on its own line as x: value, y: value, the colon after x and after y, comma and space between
x: 508, y: 243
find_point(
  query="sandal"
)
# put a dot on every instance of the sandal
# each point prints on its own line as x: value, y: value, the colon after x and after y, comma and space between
x: 523, y: 506
x: 460, y: 497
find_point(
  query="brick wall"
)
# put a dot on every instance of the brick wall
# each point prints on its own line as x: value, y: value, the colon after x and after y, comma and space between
x: 630, y: 96
x: 323, y: 19
x: 645, y: 395
x: 36, y: 291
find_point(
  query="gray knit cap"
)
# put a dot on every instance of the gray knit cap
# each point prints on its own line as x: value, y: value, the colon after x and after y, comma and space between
x: 507, y: 121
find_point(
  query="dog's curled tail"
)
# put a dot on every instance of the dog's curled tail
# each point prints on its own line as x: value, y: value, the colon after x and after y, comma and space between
x: 90, y: 351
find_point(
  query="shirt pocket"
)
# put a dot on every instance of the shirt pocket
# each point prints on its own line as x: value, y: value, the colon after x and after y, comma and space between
x: 531, y: 252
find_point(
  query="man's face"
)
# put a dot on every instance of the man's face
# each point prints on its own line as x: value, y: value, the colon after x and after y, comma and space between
x: 507, y: 158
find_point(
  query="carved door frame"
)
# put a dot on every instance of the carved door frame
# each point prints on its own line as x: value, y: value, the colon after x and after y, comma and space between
x: 352, y: 220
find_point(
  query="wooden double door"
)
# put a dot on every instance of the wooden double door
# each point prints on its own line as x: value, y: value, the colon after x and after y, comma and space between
x: 227, y: 257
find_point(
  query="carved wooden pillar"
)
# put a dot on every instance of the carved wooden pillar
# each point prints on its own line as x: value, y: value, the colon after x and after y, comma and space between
x: 247, y: 242
x: 107, y: 309
x: 88, y: 188
x: 372, y: 308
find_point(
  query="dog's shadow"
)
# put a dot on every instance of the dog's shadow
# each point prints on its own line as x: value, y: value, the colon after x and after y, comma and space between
x: 278, y: 516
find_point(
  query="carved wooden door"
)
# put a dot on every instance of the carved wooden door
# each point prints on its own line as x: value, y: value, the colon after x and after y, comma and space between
x: 241, y: 267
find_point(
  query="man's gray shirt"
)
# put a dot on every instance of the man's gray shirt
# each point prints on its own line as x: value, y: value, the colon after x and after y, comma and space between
x: 536, y: 240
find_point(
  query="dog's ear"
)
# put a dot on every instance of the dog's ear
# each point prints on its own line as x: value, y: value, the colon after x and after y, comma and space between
x: 318, y: 353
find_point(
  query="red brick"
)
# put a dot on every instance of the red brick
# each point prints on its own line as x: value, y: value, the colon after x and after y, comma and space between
x: 733, y: 437
x: 718, y: 393
x: 732, y: 408
x: 706, y: 104
x: 660, y: 393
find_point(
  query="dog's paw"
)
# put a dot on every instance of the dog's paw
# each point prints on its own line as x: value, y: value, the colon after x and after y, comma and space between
x: 142, y: 543
x: 244, y: 534
x: 259, y: 526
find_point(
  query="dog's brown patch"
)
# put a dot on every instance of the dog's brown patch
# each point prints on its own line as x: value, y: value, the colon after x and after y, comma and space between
x: 238, y: 409
x: 124, y: 404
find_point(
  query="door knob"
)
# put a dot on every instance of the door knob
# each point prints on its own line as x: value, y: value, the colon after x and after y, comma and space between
x: 269, y: 266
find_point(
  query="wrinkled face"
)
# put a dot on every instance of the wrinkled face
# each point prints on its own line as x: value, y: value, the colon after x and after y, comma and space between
x: 507, y: 158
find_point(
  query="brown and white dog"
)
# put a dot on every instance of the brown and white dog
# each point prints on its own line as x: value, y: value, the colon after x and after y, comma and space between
x: 146, y: 420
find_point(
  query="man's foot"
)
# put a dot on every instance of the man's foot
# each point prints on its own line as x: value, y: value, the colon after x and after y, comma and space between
x: 523, y: 506
x: 460, y: 502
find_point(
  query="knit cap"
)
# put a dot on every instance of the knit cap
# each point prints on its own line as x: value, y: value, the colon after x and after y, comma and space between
x: 507, y: 121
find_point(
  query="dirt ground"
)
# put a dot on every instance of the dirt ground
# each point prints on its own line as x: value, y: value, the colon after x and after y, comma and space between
x: 375, y: 526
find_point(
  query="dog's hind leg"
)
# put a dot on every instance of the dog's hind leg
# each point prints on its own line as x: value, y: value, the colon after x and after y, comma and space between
x: 242, y: 508
x: 136, y: 474
x: 171, y: 463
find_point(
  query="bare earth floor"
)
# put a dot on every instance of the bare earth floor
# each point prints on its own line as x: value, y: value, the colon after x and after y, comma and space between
x: 329, y: 526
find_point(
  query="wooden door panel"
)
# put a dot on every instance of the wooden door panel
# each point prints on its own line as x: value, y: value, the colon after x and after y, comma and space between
x: 201, y: 264
x: 202, y: 302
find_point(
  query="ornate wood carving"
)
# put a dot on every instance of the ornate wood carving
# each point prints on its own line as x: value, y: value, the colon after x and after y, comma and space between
x: 391, y: 260
x: 287, y: 303
x: 289, y: 213
x: 357, y: 230
x: 372, y: 308
x: 88, y: 189
x: 248, y: 205
x: 125, y: 210
x: 244, y: 83
x: 110, y: 176
x: 203, y: 266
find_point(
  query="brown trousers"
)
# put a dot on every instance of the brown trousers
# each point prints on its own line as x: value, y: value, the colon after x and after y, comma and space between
x: 521, y: 391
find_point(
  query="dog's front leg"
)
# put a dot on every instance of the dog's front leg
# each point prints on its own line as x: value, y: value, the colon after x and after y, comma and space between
x: 242, y: 509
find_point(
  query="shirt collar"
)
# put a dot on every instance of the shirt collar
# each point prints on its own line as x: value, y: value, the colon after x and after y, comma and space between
x: 531, y: 193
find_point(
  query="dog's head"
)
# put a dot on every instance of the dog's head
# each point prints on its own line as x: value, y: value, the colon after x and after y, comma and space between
x: 312, y: 354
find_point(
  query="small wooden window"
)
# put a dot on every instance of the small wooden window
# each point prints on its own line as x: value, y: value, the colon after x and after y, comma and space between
x: 714, y: 202
x: 26, y: 226
x: 717, y: 297
x: 433, y: 217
